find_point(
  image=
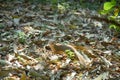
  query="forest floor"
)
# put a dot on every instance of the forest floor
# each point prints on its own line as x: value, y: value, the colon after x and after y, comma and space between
x: 44, y: 42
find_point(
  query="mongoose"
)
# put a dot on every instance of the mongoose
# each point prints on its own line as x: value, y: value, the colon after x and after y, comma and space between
x: 58, y: 48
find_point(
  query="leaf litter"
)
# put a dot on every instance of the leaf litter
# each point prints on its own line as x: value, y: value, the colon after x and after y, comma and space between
x: 38, y: 44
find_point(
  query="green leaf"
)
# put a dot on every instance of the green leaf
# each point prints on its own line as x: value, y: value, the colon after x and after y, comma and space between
x: 109, y: 5
x: 103, y: 12
x: 116, y: 12
x: 21, y: 36
x: 112, y: 26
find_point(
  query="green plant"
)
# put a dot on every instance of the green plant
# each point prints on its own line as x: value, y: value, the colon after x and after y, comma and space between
x: 21, y: 36
x: 63, y: 7
x: 70, y: 54
x: 112, y: 9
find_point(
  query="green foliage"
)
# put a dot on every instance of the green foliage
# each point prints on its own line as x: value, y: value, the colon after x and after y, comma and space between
x: 63, y: 7
x: 70, y: 54
x: 109, y: 5
x: 114, y: 27
x: 21, y: 36
x: 112, y: 10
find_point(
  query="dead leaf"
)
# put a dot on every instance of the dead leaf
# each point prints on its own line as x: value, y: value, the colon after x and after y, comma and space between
x: 71, y: 76
x: 23, y: 76
x: 4, y: 73
x: 102, y: 76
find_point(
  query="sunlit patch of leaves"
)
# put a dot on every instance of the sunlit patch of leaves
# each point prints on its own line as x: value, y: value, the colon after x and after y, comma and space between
x: 21, y: 36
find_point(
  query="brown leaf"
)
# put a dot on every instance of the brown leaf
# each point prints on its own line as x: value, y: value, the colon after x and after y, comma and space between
x: 23, y: 76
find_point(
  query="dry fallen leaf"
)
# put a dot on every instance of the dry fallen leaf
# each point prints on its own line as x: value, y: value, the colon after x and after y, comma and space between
x: 23, y: 76
x: 102, y: 76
